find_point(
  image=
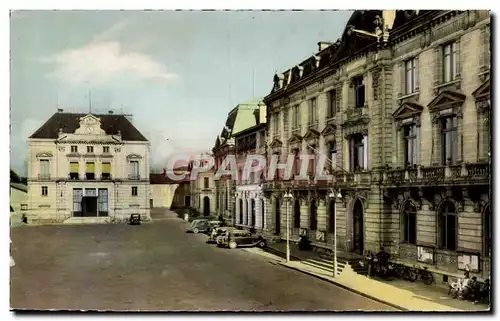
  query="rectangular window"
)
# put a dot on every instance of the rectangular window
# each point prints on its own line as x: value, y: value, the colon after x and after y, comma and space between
x: 45, y: 191
x: 411, y: 145
x: 74, y: 149
x: 332, y: 147
x: 206, y: 182
x: 90, y: 171
x: 332, y: 103
x: 359, y: 91
x: 105, y: 149
x: 44, y: 168
x: 313, y: 115
x: 357, y: 152
x: 410, y: 225
x: 106, y: 170
x: 74, y: 170
x: 24, y: 207
x: 450, y: 66
x: 90, y: 149
x: 102, y: 201
x: 411, y: 76
x: 77, y: 201
x: 134, y: 190
x: 134, y: 169
x: 449, y: 140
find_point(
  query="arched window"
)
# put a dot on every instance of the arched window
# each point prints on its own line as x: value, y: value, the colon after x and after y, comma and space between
x: 296, y: 214
x: 448, y: 226
x: 409, y: 223
x: 313, y: 215
x: 331, y: 216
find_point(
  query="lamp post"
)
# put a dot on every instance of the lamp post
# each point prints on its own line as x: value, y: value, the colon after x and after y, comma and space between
x: 333, y: 197
x: 287, y: 197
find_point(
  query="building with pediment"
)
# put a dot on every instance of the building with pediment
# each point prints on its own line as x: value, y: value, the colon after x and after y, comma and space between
x: 400, y: 104
x: 87, y: 167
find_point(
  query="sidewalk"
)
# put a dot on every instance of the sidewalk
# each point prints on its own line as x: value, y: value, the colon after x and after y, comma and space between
x: 401, y: 294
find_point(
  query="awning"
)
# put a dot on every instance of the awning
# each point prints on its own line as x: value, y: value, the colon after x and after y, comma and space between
x: 90, y: 168
x: 74, y: 167
x: 106, y: 168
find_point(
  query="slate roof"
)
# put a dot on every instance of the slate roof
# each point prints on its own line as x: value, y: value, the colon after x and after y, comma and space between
x: 69, y: 122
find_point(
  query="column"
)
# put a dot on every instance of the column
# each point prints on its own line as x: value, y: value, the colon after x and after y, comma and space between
x: 258, y: 213
x: 245, y: 211
x: 249, y: 212
x: 237, y: 218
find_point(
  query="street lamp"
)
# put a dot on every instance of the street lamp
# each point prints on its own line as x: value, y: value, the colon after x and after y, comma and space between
x: 334, y: 197
x: 287, y: 196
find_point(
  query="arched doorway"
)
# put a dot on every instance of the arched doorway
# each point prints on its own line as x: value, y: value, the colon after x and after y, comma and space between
x: 206, y: 206
x: 277, y: 217
x: 357, y: 222
x: 240, y: 219
x: 252, y: 205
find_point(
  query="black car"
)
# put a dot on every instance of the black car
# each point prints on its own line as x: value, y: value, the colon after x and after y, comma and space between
x: 241, y: 238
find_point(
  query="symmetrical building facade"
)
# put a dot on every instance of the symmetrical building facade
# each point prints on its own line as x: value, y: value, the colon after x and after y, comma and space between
x: 400, y: 106
x: 86, y: 165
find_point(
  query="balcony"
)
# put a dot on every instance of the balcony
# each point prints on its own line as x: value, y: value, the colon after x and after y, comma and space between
x: 134, y: 177
x: 44, y: 177
x: 466, y: 174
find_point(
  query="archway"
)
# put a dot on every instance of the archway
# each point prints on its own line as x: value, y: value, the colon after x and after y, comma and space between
x: 358, y: 231
x: 277, y: 217
x: 206, y: 206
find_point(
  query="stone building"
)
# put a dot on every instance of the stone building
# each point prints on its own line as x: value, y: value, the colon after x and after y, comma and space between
x: 87, y: 166
x: 249, y: 211
x: 240, y: 118
x: 168, y: 193
x: 202, y: 188
x: 400, y: 105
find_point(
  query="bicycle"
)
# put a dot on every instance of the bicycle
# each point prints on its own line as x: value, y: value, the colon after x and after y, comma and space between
x: 426, y: 276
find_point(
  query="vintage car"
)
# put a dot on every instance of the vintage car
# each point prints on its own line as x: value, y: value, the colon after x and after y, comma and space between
x: 240, y: 238
x: 202, y: 226
x: 218, y: 231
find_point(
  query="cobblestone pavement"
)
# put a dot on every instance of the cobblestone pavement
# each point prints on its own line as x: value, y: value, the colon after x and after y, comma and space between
x: 157, y: 266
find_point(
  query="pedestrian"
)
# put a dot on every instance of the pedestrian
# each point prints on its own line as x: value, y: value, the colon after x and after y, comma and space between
x: 371, y: 262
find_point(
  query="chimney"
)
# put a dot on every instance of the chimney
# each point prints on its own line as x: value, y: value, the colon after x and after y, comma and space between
x: 110, y: 112
x: 60, y: 110
x: 322, y: 45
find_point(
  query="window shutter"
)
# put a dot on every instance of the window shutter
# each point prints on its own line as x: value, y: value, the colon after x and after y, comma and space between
x: 365, y: 151
x: 74, y: 168
x: 417, y: 145
x: 416, y: 74
x: 106, y: 168
x: 90, y: 168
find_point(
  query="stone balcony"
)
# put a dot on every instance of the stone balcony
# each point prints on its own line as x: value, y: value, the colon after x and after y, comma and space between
x: 465, y: 174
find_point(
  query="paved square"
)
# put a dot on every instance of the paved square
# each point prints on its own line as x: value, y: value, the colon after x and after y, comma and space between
x: 157, y: 266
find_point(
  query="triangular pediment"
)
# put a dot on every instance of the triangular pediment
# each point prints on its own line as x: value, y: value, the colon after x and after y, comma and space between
x: 330, y: 129
x: 276, y: 143
x: 407, y: 109
x: 311, y: 134
x: 446, y: 99
x: 295, y: 139
x: 483, y: 91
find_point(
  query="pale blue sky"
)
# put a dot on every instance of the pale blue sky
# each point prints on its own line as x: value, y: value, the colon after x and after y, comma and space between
x: 178, y: 73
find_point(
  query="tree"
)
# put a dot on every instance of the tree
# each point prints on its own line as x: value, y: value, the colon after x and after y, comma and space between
x: 14, y: 177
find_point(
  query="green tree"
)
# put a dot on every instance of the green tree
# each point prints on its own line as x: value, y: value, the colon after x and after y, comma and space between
x: 14, y: 177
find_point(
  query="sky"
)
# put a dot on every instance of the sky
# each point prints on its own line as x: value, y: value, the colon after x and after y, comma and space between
x: 178, y: 73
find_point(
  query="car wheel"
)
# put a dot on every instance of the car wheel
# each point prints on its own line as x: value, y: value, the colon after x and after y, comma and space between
x: 233, y: 245
x: 196, y: 231
x: 262, y: 244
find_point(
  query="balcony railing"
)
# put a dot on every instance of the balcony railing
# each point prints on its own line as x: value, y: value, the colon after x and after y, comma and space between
x: 434, y: 174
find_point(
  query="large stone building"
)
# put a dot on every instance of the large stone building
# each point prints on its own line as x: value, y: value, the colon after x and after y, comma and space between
x: 87, y: 166
x: 400, y: 105
x: 249, y: 211
x: 239, y: 119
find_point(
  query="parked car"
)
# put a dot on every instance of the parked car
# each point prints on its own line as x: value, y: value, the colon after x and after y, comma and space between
x: 193, y: 217
x: 241, y: 238
x: 218, y: 231
x: 202, y: 226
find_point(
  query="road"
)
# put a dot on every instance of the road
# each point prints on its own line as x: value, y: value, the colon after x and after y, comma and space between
x: 157, y: 266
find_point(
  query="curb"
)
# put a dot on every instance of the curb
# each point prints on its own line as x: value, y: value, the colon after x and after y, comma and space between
x: 279, y: 253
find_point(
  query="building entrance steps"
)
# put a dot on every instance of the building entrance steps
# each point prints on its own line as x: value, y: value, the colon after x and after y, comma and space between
x: 399, y: 293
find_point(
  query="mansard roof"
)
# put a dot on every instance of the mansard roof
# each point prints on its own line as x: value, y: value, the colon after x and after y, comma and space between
x: 69, y: 122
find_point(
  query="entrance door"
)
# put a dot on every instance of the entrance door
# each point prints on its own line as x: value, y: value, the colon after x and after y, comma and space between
x: 358, y: 237
x: 252, y: 202
x: 206, y: 206
x: 278, y: 216
x: 89, y: 206
x: 187, y: 200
